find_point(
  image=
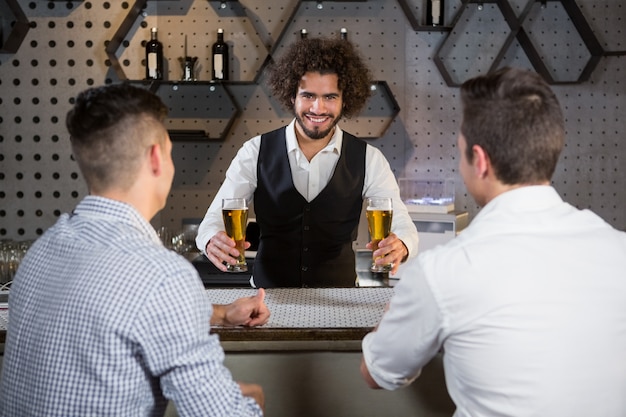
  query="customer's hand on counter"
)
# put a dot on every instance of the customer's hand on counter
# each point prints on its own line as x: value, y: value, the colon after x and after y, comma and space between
x: 245, y: 311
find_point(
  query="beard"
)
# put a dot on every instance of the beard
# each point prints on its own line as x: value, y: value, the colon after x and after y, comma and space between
x: 316, y: 132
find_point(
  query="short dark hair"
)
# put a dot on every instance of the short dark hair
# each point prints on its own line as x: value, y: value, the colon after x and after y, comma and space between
x: 109, y: 127
x: 325, y: 56
x: 514, y: 115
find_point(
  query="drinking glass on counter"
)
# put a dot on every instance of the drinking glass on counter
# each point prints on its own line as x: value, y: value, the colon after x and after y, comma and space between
x: 235, y: 215
x: 379, y: 213
x: 11, y: 254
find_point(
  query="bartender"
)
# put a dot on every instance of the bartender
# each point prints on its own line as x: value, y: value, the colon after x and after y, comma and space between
x: 308, y: 179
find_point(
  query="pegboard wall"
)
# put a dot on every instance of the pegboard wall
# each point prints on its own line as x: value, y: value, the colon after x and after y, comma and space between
x: 413, y: 117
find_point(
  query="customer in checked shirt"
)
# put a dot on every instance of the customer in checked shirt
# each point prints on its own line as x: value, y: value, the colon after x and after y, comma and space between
x: 104, y: 320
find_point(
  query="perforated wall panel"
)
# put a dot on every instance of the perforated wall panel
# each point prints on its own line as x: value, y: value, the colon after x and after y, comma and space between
x: 64, y: 53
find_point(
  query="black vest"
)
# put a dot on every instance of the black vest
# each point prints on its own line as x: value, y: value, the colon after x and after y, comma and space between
x: 304, y: 244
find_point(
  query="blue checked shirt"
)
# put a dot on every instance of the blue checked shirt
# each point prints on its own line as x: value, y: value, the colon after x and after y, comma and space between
x: 104, y: 321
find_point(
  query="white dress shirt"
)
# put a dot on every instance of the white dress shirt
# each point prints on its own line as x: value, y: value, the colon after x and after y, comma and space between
x: 529, y: 306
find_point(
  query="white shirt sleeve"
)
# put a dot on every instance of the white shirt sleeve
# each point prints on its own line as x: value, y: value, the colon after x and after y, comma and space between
x: 409, y: 334
x: 240, y: 182
x: 381, y: 182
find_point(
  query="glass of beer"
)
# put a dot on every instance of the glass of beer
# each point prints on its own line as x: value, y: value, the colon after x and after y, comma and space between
x: 379, y: 212
x: 235, y: 215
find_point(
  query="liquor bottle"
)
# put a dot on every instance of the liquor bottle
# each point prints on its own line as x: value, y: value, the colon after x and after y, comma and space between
x: 303, y: 33
x: 220, y: 57
x: 434, y: 12
x: 343, y: 34
x: 154, y: 57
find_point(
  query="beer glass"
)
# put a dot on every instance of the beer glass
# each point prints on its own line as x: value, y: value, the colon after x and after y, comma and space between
x: 235, y: 215
x: 379, y: 212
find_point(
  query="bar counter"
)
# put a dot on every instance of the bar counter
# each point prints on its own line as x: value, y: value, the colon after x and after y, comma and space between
x: 333, y: 316
x: 307, y: 356
x: 306, y: 318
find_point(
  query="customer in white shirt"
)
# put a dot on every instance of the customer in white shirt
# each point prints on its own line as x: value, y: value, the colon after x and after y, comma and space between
x: 528, y: 304
x: 308, y: 179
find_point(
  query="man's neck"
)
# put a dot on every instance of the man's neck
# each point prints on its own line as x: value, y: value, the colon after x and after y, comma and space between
x: 311, y: 147
x: 145, y: 205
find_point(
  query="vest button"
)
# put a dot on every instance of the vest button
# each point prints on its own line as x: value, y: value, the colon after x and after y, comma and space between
x: 305, y: 249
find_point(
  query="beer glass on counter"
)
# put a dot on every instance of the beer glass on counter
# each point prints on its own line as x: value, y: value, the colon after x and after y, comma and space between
x: 235, y: 215
x: 379, y: 213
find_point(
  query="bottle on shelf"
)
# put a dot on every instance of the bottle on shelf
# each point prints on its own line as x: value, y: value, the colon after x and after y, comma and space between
x: 343, y: 34
x: 434, y: 12
x: 188, y: 65
x: 220, y: 57
x: 303, y: 33
x: 154, y: 57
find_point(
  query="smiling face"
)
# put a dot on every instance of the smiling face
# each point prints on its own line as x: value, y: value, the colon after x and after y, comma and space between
x: 317, y: 105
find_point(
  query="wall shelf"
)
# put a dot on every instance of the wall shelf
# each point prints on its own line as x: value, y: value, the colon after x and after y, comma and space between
x: 15, y: 23
x: 198, y: 110
x: 382, y: 109
x: 206, y: 110
x: 518, y: 30
x: 417, y: 23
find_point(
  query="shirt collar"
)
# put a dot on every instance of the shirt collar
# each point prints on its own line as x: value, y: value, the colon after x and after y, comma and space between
x: 115, y: 211
x: 523, y: 199
x: 292, y: 143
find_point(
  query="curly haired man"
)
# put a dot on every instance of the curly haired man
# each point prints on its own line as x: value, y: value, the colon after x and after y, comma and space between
x: 308, y: 179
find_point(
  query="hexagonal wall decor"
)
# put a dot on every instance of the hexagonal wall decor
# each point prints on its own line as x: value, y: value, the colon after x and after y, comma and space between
x: 14, y: 28
x: 245, y: 63
x: 530, y: 31
x: 535, y: 37
x: 118, y: 38
x: 487, y: 26
x: 198, y: 110
x: 380, y: 111
x: 202, y: 110
x: 415, y: 12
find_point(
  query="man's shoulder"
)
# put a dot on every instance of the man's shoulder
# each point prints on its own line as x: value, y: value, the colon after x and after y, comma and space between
x: 279, y: 132
x: 350, y: 140
x: 350, y: 137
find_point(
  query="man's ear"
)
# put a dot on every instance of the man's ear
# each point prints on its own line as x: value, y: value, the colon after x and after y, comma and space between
x: 156, y: 159
x: 480, y: 162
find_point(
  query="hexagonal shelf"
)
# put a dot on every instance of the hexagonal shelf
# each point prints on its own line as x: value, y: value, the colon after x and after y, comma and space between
x: 544, y: 56
x: 417, y: 16
x: 198, y: 110
x: 469, y: 32
x: 455, y: 68
x: 250, y: 62
x: 15, y: 23
x: 378, y: 114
